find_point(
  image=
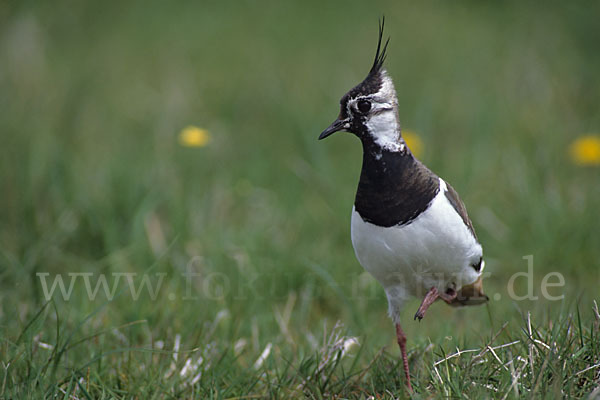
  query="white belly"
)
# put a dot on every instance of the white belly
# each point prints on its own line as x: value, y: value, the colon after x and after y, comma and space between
x: 435, y: 249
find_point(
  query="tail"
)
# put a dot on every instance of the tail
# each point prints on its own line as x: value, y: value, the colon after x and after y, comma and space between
x: 470, y: 295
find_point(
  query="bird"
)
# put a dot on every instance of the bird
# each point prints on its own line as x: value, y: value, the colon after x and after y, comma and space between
x: 409, y: 228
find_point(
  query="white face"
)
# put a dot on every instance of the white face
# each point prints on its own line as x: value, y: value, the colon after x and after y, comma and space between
x: 382, y: 118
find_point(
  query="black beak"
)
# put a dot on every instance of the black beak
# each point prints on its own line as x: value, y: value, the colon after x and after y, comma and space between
x: 337, y: 125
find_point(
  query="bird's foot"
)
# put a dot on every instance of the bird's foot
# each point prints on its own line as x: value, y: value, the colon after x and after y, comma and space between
x: 449, y: 295
x: 432, y: 295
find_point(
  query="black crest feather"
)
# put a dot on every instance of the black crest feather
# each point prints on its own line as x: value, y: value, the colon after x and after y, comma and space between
x: 381, y: 53
x: 372, y: 83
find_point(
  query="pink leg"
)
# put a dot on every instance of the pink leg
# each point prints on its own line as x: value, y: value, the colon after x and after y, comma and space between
x: 402, y: 343
x: 431, y: 296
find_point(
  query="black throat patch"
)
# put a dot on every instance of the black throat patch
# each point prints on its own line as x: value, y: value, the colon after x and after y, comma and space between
x: 394, y: 187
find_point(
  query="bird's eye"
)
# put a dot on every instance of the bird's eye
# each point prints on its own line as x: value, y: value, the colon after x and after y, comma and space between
x: 364, y: 106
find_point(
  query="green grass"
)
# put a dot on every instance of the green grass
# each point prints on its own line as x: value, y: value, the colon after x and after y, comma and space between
x: 92, y: 98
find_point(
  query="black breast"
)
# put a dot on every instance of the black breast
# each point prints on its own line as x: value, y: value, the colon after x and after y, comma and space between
x: 394, y: 187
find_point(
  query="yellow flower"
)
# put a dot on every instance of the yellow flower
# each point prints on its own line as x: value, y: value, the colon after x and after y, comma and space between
x: 586, y: 150
x: 192, y: 136
x: 414, y: 142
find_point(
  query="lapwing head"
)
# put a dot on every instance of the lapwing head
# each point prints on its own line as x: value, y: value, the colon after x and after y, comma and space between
x: 370, y: 109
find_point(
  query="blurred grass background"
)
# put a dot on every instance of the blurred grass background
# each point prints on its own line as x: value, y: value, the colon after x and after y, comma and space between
x: 94, y: 95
